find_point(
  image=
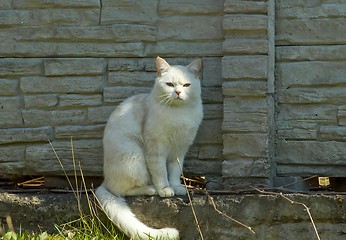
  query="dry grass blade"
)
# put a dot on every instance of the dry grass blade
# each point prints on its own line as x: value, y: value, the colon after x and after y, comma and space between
x: 226, y: 216
x: 190, y: 200
x: 296, y: 203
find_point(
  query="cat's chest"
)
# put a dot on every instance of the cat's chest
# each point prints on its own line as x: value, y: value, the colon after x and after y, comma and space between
x: 176, y: 124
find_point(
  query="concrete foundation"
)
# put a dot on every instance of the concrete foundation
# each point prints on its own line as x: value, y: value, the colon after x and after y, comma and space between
x: 270, y: 216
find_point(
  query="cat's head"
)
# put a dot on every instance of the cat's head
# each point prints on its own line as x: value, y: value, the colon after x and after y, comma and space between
x: 177, y: 85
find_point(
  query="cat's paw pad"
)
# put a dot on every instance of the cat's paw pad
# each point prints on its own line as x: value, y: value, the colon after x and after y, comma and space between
x: 179, y: 190
x: 166, y: 192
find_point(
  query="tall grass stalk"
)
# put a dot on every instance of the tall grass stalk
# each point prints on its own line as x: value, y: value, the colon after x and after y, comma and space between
x: 191, y: 204
x: 88, y: 225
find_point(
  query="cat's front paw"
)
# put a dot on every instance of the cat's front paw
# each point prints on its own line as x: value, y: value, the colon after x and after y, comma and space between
x: 166, y: 192
x: 179, y: 190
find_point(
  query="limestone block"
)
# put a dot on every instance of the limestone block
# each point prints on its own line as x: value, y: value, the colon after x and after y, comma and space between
x: 332, y: 133
x: 245, y: 46
x: 134, y: 78
x: 41, y: 101
x: 71, y: 49
x: 313, y: 31
x: 79, y: 132
x: 113, y: 33
x: 181, y: 7
x: 311, y: 152
x: 211, y: 72
x: 119, y: 93
x: 236, y: 6
x: 61, y: 84
x: 244, y: 67
x: 312, y: 9
x: 212, y: 95
x: 150, y: 65
x: 310, y: 73
x: 40, y: 159
x: 100, y: 114
x: 210, y: 152
x: 311, y: 53
x: 245, y: 146
x: 18, y: 135
x: 303, y: 121
x: 15, y: 17
x: 23, y: 66
x: 124, y: 11
x: 322, y: 114
x: 202, y: 168
x: 37, y: 16
x: 8, y: 87
x: 245, y: 168
x: 10, y: 112
x: 179, y: 49
x: 330, y: 95
x: 213, y: 111
x: 77, y: 100
x: 209, y: 132
x: 12, y: 160
x: 126, y: 64
x: 56, y: 117
x: 74, y: 66
x: 306, y: 130
x: 342, y: 115
x: 245, y: 115
x: 29, y: 4
x: 174, y: 28
x: 244, y: 88
x: 64, y: 16
x: 6, y: 4
x: 310, y: 170
x: 233, y: 23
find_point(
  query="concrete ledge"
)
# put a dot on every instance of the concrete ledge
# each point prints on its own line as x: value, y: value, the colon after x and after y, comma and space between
x: 271, y: 217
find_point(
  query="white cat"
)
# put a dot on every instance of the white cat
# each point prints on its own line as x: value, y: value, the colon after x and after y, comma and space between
x: 143, y: 138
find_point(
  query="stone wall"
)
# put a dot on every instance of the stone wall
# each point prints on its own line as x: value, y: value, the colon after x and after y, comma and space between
x: 273, y: 81
x: 65, y: 65
x: 247, y: 92
x: 310, y: 83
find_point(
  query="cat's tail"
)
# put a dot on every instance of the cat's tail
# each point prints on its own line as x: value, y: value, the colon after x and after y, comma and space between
x: 120, y: 213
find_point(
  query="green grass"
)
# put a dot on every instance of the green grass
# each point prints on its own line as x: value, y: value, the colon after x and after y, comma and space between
x: 88, y: 226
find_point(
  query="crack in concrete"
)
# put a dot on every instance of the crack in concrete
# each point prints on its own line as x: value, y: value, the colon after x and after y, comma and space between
x: 100, y: 14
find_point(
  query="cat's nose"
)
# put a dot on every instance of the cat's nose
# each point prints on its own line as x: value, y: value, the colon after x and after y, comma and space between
x: 177, y: 92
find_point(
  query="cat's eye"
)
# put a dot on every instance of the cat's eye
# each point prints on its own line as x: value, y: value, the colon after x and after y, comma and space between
x: 187, y: 85
x: 169, y: 84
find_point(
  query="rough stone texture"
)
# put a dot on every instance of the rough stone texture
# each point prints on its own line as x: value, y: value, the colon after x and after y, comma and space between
x: 271, y: 217
x: 310, y: 79
x: 245, y: 115
x: 41, y: 159
x: 244, y: 67
x: 61, y: 84
x: 80, y: 66
x: 245, y: 72
x: 18, y: 135
x: 273, y: 74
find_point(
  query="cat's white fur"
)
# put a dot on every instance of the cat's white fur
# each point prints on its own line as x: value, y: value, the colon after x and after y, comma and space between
x: 143, y: 138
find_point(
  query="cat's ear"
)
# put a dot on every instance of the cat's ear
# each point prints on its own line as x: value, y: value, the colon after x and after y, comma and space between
x: 161, y: 66
x: 195, y: 67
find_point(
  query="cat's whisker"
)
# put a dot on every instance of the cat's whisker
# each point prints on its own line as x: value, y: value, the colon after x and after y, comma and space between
x: 166, y: 101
